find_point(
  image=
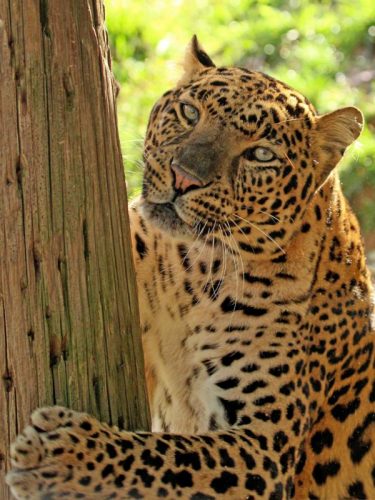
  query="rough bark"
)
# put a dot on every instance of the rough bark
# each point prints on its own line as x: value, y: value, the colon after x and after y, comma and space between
x: 69, y: 331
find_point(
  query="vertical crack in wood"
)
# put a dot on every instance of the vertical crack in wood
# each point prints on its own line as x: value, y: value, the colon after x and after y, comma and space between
x: 43, y: 13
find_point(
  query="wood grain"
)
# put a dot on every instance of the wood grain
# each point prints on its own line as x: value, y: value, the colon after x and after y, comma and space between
x: 69, y: 327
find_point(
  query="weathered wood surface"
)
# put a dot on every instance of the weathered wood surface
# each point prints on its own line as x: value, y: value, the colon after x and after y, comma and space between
x: 69, y: 331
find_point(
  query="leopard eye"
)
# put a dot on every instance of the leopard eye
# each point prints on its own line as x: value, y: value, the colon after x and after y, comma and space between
x: 190, y: 113
x: 263, y: 154
x: 259, y: 154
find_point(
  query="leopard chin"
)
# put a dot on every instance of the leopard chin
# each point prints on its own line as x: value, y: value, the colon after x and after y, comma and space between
x: 166, y: 218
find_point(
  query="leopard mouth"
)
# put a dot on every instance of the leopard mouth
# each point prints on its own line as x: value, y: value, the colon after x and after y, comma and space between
x: 166, y: 218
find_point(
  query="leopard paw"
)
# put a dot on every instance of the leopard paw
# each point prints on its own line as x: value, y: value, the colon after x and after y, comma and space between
x: 49, y: 457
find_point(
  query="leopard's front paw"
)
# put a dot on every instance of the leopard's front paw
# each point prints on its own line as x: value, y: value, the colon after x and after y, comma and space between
x: 27, y: 451
x: 44, y: 454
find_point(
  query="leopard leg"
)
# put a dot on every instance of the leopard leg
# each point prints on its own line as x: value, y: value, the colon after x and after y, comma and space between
x: 65, y: 454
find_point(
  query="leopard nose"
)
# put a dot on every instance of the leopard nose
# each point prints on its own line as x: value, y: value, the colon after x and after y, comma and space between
x: 184, y: 181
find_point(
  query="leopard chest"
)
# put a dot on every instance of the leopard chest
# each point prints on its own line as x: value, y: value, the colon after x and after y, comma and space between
x: 206, y: 321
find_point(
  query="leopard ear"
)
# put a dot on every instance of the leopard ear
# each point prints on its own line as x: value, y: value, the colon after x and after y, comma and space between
x: 335, y: 132
x: 196, y: 60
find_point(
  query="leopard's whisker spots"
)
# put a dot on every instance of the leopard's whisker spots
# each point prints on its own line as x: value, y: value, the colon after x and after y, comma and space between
x: 177, y: 265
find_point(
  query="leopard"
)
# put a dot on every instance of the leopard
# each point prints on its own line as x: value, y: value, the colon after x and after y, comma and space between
x: 256, y: 309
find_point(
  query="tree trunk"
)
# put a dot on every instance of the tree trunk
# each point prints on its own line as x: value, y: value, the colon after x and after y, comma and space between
x: 69, y: 331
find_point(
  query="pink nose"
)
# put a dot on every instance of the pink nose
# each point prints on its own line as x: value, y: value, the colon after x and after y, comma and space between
x: 183, y: 180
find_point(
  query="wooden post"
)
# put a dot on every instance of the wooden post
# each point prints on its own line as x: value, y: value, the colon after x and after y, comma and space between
x: 69, y: 328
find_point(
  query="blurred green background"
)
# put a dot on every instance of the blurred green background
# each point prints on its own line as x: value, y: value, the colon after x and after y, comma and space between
x: 325, y: 49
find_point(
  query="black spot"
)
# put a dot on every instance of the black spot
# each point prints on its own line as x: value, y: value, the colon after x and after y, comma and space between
x: 183, y: 478
x: 288, y: 388
x: 134, y: 493
x: 85, y: 481
x: 264, y: 400
x: 49, y: 474
x: 268, y: 354
x: 111, y: 450
x: 306, y: 187
x: 124, y: 444
x: 359, y: 385
x: 230, y: 305
x: 301, y: 462
x: 356, y: 443
x: 154, y: 461
x: 227, y: 438
x: 292, y: 184
x: 276, y: 204
x: 254, y: 482
x: 271, y: 467
x: 119, y: 481
x: 225, y: 459
x: 286, y: 276
x: 253, y: 386
x: 140, y: 246
x: 85, y: 425
x: 162, y: 492
x: 277, y: 493
x: 342, y: 411
x: 108, y: 469
x: 290, y: 411
x: 320, y: 440
x: 257, y: 279
x: 322, y: 471
x: 231, y: 409
x: 279, y: 370
x: 229, y: 358
x: 247, y: 458
x: 161, y: 447
x: 91, y: 444
x: 58, y: 451
x: 262, y: 440
x: 228, y: 383
x: 275, y: 416
x: 318, y: 213
x: 250, y: 248
x: 224, y: 482
x: 210, y: 462
x: 183, y: 253
x: 252, y: 367
x: 145, y: 477
x: 219, y: 83
x: 127, y: 462
x: 188, y: 459
x: 337, y: 394
x: 356, y: 491
x: 331, y: 277
x: 279, y: 440
x: 208, y: 440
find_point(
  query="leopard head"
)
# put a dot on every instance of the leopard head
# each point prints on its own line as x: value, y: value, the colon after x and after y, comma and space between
x: 233, y: 153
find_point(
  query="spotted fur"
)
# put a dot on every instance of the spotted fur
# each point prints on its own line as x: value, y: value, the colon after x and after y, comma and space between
x: 255, y: 306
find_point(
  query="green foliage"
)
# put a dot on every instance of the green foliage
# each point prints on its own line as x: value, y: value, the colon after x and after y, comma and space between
x: 325, y: 49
